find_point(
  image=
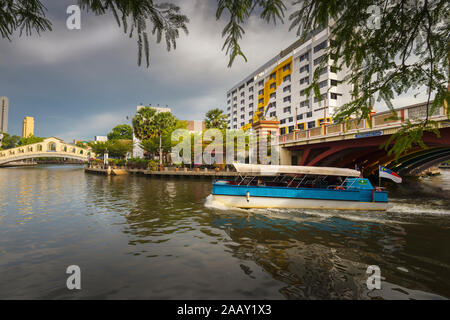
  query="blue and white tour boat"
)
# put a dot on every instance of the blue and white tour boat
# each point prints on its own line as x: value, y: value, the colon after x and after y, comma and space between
x: 271, y: 186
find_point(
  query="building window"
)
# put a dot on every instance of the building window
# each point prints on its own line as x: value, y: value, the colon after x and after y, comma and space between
x: 250, y: 89
x: 282, y: 131
x: 301, y: 126
x: 309, y: 114
x: 322, y: 97
x: 261, y: 83
x: 242, y: 109
x: 250, y: 98
x: 242, y: 93
x: 282, y: 121
x: 287, y: 99
x: 250, y: 114
x: 302, y: 92
x: 250, y: 105
x: 291, y: 119
x: 287, y: 67
x: 319, y: 59
x: 242, y: 124
x: 249, y: 82
x: 242, y: 116
x: 261, y: 100
x: 311, y: 124
x: 334, y: 96
x: 300, y: 116
x: 334, y: 83
x: 304, y: 104
x: 304, y: 56
x: 287, y: 78
x: 261, y: 91
x: 273, y: 95
x: 273, y: 85
x: 323, y: 84
x: 242, y: 101
x: 273, y: 114
x: 334, y: 69
x: 287, y: 109
x: 304, y: 68
x: 323, y: 71
x: 291, y: 129
x: 273, y: 76
x: 320, y: 46
x: 304, y: 80
x: 261, y: 109
x: 287, y: 89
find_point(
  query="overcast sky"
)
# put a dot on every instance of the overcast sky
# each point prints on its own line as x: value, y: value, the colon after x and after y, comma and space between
x: 81, y: 83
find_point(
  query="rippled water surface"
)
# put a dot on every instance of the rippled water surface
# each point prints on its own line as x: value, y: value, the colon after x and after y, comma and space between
x: 147, y: 238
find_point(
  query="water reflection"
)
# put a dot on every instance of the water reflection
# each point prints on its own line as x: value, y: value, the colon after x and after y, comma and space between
x: 139, y: 237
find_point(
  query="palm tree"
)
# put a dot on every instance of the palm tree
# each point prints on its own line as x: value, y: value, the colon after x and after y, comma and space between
x: 215, y: 118
x: 142, y: 123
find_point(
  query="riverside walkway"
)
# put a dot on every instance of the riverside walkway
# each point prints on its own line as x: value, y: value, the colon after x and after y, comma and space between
x: 171, y: 172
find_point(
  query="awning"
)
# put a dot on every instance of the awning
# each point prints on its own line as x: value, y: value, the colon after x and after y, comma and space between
x: 262, y: 169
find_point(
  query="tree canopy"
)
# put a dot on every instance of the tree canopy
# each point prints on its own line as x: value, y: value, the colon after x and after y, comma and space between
x: 215, y: 118
x: 114, y: 148
x: 29, y: 140
x: 9, y: 142
x: 121, y: 132
x: 142, y: 123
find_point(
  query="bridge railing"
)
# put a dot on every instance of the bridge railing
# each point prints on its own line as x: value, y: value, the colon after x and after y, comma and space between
x: 48, y: 147
x: 378, y: 121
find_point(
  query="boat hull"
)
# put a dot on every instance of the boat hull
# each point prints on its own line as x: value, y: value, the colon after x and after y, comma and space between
x: 291, y: 203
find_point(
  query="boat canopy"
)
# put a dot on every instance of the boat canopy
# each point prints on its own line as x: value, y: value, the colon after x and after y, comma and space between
x: 268, y: 170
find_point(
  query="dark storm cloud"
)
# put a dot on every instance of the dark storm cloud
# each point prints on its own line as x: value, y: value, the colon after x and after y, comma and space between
x: 81, y: 83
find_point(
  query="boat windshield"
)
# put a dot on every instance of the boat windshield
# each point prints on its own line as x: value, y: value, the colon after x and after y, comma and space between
x: 295, y: 181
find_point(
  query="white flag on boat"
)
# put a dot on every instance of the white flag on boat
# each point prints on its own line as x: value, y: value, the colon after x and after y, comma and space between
x: 386, y: 173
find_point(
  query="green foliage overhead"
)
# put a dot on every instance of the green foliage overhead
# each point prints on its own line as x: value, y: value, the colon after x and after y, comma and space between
x: 215, y: 118
x: 135, y: 16
x: 121, y: 132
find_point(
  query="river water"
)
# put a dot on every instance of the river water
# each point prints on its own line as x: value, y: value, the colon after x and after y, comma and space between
x: 147, y: 238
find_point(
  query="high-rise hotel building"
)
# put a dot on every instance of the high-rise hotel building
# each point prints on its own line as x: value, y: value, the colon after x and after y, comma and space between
x: 276, y: 90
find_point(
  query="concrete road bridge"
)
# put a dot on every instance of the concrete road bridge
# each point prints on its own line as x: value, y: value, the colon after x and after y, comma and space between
x: 358, y: 143
x: 49, y: 148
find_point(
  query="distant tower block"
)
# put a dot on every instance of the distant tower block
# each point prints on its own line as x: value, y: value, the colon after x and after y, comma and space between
x: 28, y: 127
x: 4, y: 108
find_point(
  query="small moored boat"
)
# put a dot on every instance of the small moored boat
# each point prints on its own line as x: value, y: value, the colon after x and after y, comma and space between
x: 270, y: 186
